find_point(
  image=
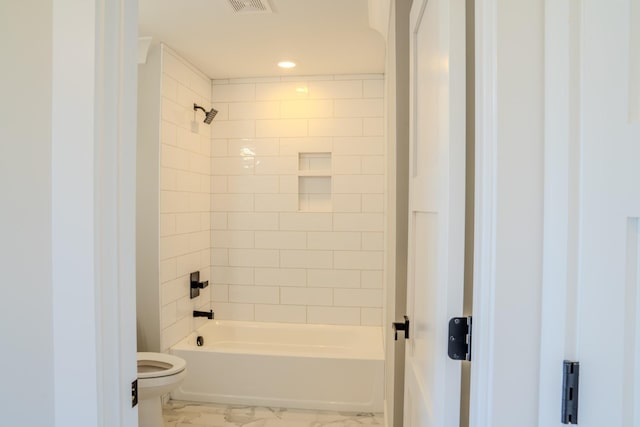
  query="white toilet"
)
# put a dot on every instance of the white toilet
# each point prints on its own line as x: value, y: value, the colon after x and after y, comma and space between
x: 158, y: 374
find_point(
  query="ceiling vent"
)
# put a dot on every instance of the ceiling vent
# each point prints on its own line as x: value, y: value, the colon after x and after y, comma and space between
x: 250, y: 6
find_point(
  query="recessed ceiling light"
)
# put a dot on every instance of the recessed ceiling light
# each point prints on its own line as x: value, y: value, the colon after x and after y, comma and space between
x: 286, y: 64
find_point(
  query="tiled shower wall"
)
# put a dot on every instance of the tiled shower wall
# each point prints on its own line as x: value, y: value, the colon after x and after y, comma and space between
x: 297, y: 192
x: 184, y: 196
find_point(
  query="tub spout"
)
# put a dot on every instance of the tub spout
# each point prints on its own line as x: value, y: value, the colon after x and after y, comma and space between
x: 207, y: 314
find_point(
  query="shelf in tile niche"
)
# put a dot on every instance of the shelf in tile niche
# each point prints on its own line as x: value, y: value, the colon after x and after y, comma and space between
x: 314, y: 193
x: 314, y: 163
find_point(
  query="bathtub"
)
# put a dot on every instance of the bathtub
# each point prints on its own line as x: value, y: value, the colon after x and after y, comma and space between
x: 284, y: 365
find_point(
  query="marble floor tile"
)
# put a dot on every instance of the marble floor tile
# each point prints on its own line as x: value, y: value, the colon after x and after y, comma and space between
x: 192, y: 414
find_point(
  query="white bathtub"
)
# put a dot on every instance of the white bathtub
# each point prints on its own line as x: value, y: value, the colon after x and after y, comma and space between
x: 284, y: 365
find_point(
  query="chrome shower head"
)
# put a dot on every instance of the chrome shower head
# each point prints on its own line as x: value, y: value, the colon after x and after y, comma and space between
x: 209, y: 115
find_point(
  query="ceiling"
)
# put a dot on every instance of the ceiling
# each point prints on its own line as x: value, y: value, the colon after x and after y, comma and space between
x: 321, y: 36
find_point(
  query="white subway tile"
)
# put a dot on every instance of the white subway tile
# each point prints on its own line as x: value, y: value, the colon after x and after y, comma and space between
x: 304, y: 221
x: 198, y: 202
x: 219, y: 148
x: 175, y: 332
x: 167, y: 224
x: 188, y: 222
x: 234, y: 129
x: 253, y: 184
x: 219, y: 184
x: 288, y: 184
x: 173, y: 157
x: 276, y: 165
x: 373, y: 165
x: 186, y: 264
x: 358, y: 108
x: 254, y: 147
x: 187, y: 140
x: 236, y: 239
x: 173, y: 246
x: 333, y: 315
x: 357, y: 297
x: 359, y: 260
x: 173, y: 290
x: 232, y: 202
x: 335, y: 89
x: 358, y: 222
x: 232, y: 165
x: 174, y: 113
x: 168, y: 179
x: 169, y: 87
x: 184, y: 307
x: 253, y: 258
x: 254, y: 110
x: 253, y: 221
x: 372, y: 279
x: 358, y: 146
x: 168, y: 133
x: 232, y: 275
x: 168, y: 270
x: 199, y: 241
x: 372, y: 203
x: 368, y: 76
x: 306, y: 259
x: 199, y: 163
x: 280, y: 91
x: 205, y: 221
x: 347, y: 203
x: 333, y: 278
x: 280, y: 313
x: 231, y: 311
x: 335, y: 127
x: 276, y: 202
x: 233, y: 92
x: 205, y: 184
x: 254, y: 294
x: 372, y: 241
x: 293, y: 146
x: 219, y: 257
x: 219, y: 293
x: 373, y: 127
x: 354, y: 184
x: 333, y: 240
x: 306, y: 296
x: 373, y: 89
x: 219, y: 220
x: 280, y: 239
x: 306, y: 109
x: 346, y: 165
x: 281, y: 128
x: 371, y: 317
x: 281, y: 276
x: 187, y: 181
x: 173, y: 202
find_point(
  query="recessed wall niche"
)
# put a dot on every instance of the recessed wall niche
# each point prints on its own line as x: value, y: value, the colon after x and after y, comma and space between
x: 314, y: 182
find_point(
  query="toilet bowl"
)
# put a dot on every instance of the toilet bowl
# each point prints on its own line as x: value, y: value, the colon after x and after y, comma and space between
x: 158, y: 374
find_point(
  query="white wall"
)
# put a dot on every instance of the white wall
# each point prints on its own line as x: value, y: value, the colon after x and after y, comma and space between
x: 184, y: 196
x: 26, y: 330
x: 272, y: 258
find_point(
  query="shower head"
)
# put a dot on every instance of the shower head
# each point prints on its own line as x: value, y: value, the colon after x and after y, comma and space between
x: 209, y: 115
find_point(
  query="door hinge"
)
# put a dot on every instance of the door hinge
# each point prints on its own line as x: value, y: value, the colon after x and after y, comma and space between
x: 401, y: 326
x: 570, y: 383
x: 459, y: 347
x: 134, y: 393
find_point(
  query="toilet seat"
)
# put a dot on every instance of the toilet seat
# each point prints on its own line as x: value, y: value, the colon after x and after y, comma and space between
x: 158, y: 365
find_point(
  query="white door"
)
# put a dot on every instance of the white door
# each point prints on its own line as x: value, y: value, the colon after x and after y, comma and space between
x: 436, y: 210
x: 591, y: 292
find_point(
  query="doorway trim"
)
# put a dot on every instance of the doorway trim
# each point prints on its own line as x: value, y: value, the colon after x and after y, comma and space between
x: 482, y: 371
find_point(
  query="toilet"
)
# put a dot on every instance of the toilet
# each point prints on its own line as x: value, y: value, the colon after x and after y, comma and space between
x: 158, y: 374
